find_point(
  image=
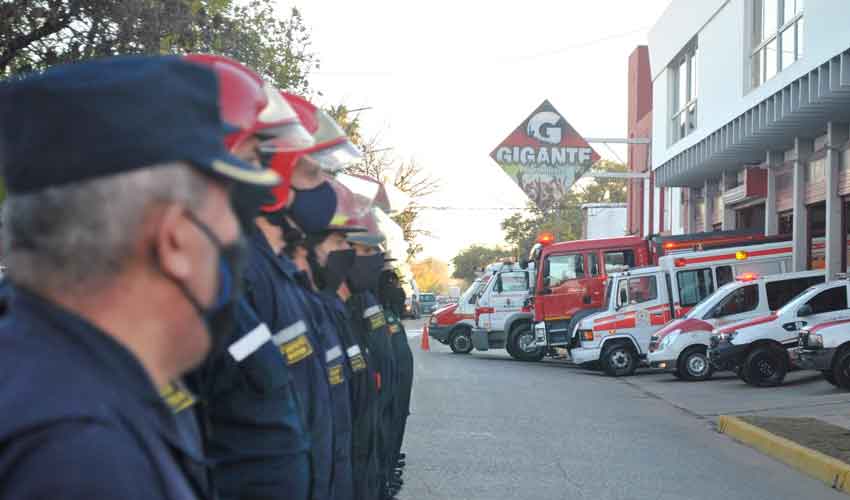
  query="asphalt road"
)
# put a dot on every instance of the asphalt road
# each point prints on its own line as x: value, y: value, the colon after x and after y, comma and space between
x: 486, y: 427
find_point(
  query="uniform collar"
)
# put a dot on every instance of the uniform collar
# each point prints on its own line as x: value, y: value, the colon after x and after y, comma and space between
x: 105, y: 353
x: 283, y: 263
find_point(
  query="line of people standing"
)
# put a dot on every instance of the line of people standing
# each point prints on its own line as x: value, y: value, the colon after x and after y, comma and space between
x: 199, y: 304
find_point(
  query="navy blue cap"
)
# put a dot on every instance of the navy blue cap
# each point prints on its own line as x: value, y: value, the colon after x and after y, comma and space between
x: 81, y: 121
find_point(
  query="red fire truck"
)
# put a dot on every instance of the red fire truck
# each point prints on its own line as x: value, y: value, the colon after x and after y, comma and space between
x: 570, y: 283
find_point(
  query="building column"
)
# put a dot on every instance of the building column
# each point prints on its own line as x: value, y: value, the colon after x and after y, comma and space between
x: 707, y: 206
x: 799, y: 233
x: 771, y: 215
x: 835, y: 245
x: 727, y: 214
x: 690, y: 210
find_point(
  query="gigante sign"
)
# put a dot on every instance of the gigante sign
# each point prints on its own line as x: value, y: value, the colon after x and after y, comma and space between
x: 545, y: 156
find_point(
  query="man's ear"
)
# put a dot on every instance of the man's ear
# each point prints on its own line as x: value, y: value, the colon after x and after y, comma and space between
x: 172, y: 242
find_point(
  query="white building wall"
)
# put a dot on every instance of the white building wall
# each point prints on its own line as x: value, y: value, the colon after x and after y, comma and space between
x: 605, y: 220
x: 722, y: 28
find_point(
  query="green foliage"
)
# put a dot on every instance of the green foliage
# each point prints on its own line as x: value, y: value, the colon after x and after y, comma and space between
x: 36, y: 34
x: 474, y: 258
x: 350, y: 124
x: 564, y: 219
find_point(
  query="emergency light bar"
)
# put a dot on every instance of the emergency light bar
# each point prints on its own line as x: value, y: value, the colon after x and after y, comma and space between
x: 749, y: 276
x: 546, y: 238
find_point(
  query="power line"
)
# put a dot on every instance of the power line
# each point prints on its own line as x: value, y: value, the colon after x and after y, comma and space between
x: 514, y: 60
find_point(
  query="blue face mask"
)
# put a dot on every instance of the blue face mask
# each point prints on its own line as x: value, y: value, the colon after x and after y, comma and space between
x: 314, y: 208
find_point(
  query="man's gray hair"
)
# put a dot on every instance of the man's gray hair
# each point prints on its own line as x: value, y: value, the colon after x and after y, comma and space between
x: 64, y: 237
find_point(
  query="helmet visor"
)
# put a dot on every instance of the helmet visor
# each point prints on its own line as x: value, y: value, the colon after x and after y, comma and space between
x: 285, y: 137
x: 338, y: 156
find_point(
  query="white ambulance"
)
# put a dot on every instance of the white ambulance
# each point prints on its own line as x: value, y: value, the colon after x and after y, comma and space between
x: 681, y: 347
x: 640, y: 302
x: 758, y: 349
x: 826, y: 347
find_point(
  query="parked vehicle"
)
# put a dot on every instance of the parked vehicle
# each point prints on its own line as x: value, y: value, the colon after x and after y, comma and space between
x: 412, y: 307
x: 681, y: 347
x: 427, y: 303
x: 826, y: 347
x: 571, y: 275
x: 452, y: 325
x: 642, y: 301
x: 502, y: 317
x: 758, y: 349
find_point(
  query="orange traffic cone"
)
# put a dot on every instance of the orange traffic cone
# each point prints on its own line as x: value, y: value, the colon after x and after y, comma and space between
x: 425, y: 345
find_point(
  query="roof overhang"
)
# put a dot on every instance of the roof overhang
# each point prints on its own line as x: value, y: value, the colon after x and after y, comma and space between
x: 800, y: 109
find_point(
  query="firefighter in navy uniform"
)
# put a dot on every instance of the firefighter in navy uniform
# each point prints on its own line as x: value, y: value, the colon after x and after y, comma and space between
x: 364, y: 278
x: 369, y: 324
x: 95, y: 425
x: 392, y: 297
x: 255, y: 436
x: 333, y: 152
x: 327, y: 262
x: 274, y: 291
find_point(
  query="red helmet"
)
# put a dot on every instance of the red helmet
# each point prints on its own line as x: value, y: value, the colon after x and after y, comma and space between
x: 332, y: 149
x: 350, y: 210
x: 241, y: 95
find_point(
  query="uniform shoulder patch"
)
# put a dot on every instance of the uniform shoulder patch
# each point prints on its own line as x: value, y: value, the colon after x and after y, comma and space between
x: 293, y: 342
x: 177, y: 397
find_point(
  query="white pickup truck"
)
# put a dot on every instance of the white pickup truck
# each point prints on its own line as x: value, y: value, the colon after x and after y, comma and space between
x: 758, y: 349
x: 681, y: 347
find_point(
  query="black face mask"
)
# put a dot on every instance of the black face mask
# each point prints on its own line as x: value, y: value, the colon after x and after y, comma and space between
x: 329, y: 277
x: 366, y: 272
x: 246, y: 201
x: 395, y: 298
x: 220, y: 316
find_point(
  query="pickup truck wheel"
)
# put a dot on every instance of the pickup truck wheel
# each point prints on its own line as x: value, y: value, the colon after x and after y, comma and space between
x: 461, y: 342
x: 693, y: 364
x: 619, y: 360
x: 830, y: 377
x: 766, y: 366
x: 841, y: 370
x: 520, y: 344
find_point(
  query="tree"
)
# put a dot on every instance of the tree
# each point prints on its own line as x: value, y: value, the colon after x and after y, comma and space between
x: 36, y: 34
x: 431, y: 275
x: 474, y: 258
x: 409, y: 177
x: 564, y: 219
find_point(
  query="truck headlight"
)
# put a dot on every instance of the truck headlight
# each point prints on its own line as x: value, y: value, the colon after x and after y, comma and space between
x: 586, y: 335
x: 726, y: 337
x: 815, y: 340
x: 669, y: 339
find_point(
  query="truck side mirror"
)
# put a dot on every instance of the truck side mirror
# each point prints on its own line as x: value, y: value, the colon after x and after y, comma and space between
x: 623, y: 298
x: 523, y: 264
x: 806, y: 310
x: 499, y: 284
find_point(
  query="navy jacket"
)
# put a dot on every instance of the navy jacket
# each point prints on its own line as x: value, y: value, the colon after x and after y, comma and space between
x: 255, y: 436
x: 279, y: 301
x: 339, y: 377
x: 81, y: 417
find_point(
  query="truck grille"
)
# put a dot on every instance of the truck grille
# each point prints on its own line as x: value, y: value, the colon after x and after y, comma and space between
x: 714, y: 341
x: 804, y: 339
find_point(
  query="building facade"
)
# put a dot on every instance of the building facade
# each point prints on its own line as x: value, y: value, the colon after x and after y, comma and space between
x: 750, y: 113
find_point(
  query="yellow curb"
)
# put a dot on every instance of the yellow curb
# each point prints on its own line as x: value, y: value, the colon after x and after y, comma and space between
x: 831, y: 471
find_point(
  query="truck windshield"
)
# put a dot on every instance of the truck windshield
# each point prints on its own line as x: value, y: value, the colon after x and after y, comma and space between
x: 469, y: 295
x: 707, y: 303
